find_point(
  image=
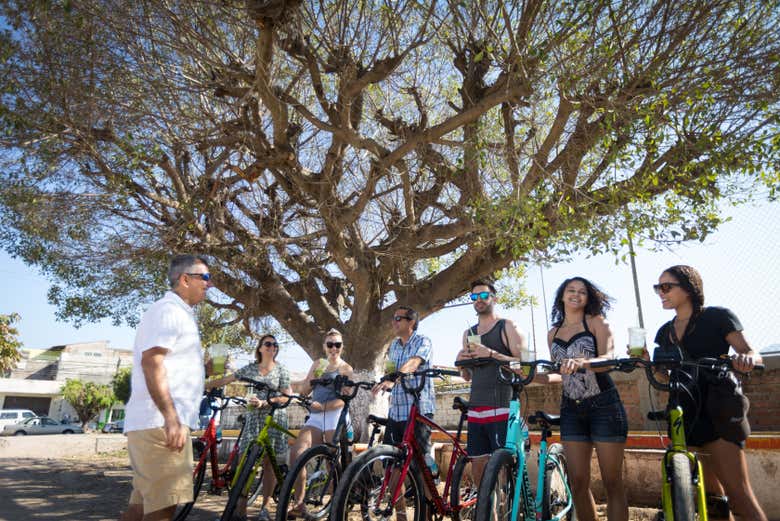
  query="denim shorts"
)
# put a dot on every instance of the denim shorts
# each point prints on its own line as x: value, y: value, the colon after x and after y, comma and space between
x: 598, y: 418
x: 485, y: 438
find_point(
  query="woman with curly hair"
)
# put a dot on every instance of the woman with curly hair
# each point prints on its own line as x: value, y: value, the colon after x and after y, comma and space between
x: 592, y: 415
x: 699, y: 331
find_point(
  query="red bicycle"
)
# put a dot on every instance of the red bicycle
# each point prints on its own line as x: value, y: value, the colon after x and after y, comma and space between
x: 387, y: 480
x: 207, y: 448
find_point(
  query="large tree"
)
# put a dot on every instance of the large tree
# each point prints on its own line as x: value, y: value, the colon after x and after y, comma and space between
x: 9, y: 343
x: 334, y: 157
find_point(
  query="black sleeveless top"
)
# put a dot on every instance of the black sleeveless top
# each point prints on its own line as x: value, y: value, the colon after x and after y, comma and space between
x: 486, y: 389
x: 579, y: 386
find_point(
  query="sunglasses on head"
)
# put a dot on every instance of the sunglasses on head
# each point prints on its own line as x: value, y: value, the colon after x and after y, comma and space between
x: 268, y: 343
x: 399, y: 318
x: 483, y: 295
x: 665, y: 287
x: 205, y: 277
x: 337, y: 345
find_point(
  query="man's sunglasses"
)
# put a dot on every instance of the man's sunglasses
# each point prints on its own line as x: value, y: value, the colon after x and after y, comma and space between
x: 337, y: 345
x: 270, y: 344
x: 483, y: 295
x: 665, y: 287
x: 399, y: 318
x: 205, y: 277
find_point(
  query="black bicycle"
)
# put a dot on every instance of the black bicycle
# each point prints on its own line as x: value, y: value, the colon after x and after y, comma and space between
x: 320, y: 467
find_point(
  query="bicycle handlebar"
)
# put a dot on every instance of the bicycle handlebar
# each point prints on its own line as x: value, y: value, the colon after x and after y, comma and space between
x: 508, y: 376
x: 342, y: 381
x: 719, y: 365
x: 274, y: 393
x: 425, y: 373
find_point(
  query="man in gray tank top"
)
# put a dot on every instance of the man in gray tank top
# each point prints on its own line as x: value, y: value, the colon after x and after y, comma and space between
x: 500, y: 339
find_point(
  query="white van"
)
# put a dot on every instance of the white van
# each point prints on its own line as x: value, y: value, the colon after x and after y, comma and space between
x: 11, y: 416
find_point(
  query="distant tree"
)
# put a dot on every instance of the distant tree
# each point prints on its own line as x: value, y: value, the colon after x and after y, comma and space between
x: 87, y: 398
x: 334, y: 157
x: 120, y: 384
x: 9, y: 343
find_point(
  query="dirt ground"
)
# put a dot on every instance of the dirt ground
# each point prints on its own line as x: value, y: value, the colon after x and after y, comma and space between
x: 97, y: 488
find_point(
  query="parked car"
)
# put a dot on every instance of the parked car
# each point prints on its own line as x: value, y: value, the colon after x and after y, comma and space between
x: 12, y: 416
x: 117, y: 426
x: 40, y: 425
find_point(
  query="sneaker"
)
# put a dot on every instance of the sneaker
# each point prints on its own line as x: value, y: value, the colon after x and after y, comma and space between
x: 263, y: 515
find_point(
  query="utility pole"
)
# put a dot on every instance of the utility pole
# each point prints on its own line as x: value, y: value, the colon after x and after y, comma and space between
x: 632, y: 256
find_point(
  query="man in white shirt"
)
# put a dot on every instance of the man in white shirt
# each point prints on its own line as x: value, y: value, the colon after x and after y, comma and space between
x: 166, y: 387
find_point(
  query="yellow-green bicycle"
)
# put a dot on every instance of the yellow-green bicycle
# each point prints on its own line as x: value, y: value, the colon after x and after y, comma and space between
x: 248, y: 475
x: 683, y: 496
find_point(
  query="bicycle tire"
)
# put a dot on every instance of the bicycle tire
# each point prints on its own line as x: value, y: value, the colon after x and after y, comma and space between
x: 197, y: 482
x: 556, y: 480
x: 498, y: 488
x: 323, y: 472
x: 363, y: 480
x: 253, y: 453
x: 683, y: 495
x: 463, y: 494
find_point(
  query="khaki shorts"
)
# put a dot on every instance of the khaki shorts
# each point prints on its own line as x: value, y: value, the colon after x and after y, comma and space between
x: 161, y: 477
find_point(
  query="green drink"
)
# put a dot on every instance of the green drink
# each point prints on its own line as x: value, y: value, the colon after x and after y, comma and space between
x: 636, y: 342
x: 389, y: 367
x: 320, y: 369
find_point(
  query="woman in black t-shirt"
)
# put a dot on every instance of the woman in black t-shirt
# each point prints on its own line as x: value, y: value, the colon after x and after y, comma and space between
x: 708, y: 332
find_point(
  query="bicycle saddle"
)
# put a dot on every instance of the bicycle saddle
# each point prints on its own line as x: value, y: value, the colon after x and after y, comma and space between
x: 460, y: 404
x: 542, y: 417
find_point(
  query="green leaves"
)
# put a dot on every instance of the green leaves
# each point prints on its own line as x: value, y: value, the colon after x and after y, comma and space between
x: 87, y: 398
x: 9, y: 343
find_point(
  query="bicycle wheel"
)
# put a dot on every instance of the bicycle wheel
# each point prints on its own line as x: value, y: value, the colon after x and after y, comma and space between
x: 463, y: 494
x: 683, y: 502
x: 244, y: 471
x: 556, y: 493
x: 497, y: 489
x: 321, y: 470
x: 197, y: 482
x: 364, y: 480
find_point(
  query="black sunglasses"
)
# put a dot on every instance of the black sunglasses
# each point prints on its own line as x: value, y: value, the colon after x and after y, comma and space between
x: 203, y: 276
x: 484, y: 295
x: 269, y: 344
x: 337, y: 345
x: 665, y: 287
x: 399, y: 318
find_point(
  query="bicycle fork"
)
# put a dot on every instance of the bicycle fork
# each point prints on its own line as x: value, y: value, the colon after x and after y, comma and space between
x: 680, y: 447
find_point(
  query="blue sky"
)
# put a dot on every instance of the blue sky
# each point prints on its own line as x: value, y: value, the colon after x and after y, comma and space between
x: 738, y: 264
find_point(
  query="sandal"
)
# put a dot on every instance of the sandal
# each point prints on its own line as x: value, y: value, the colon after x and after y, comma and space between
x: 297, y: 511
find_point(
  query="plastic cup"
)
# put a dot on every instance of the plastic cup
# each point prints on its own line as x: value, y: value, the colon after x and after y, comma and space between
x: 249, y: 406
x: 474, y: 339
x: 218, y: 354
x: 320, y: 370
x: 526, y: 355
x: 389, y: 366
x: 636, y: 341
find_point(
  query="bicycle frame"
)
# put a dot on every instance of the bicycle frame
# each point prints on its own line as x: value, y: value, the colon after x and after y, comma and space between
x: 413, y: 452
x: 210, y: 455
x: 264, y: 440
x: 515, y: 441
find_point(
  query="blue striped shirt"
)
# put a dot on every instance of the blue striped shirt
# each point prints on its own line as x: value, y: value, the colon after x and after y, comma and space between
x: 399, y: 353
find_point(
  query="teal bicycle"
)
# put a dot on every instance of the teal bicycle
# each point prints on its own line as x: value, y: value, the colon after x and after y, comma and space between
x: 505, y: 491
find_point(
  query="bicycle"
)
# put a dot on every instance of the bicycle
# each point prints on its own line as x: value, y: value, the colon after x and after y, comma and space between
x: 388, y: 478
x: 499, y: 496
x: 249, y: 472
x: 683, y: 496
x: 322, y: 465
x: 208, y: 448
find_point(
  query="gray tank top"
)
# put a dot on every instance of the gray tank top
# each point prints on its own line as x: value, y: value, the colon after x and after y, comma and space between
x: 325, y: 393
x: 486, y: 389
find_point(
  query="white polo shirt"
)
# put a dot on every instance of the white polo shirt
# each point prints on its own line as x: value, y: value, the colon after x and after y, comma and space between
x: 168, y: 323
